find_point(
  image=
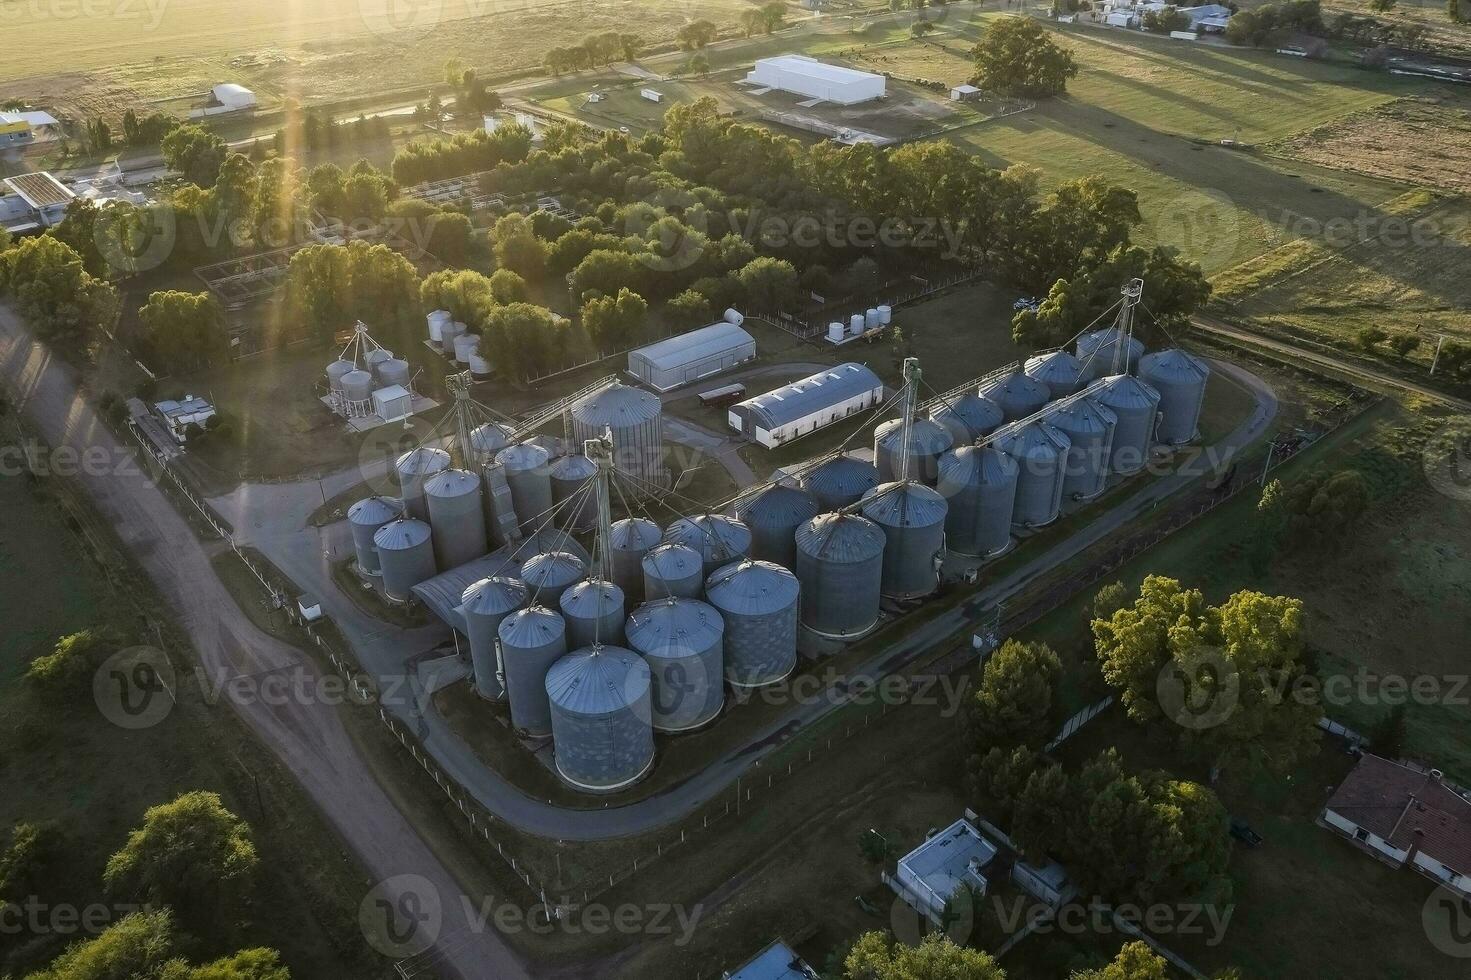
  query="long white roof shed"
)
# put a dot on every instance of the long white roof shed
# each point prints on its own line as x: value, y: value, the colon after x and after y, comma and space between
x: 815, y: 79
x: 691, y: 356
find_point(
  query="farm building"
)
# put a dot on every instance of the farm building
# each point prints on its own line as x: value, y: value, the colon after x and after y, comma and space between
x: 961, y: 93
x: 928, y: 877
x: 815, y: 79
x: 691, y: 356
x: 19, y: 128
x: 234, y: 97
x: 776, y: 962
x: 36, y: 201
x: 1405, y: 816
x: 805, y: 406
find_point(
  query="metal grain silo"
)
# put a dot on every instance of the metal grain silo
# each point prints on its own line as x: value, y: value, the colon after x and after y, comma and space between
x: 1018, y: 395
x: 682, y: 640
x: 365, y: 518
x: 980, y: 484
x: 602, y: 717
x: 484, y: 605
x: 632, y: 538
x: 759, y: 601
x: 1097, y: 351
x: 717, y: 539
x: 571, y: 476
x: 376, y: 358
x: 412, y: 469
x: 357, y: 386
x: 530, y: 641
x: 968, y: 417
x: 1136, y: 404
x: 551, y: 573
x: 457, y: 517
x: 392, y: 372
x: 928, y: 441
x: 593, y: 610
x: 529, y: 475
x: 405, y: 556
x: 1060, y: 371
x: 1040, y: 452
x: 773, y: 516
x: 335, y: 373
x: 634, y: 417
x: 840, y: 566
x: 1089, y: 428
x: 672, y: 570
x: 840, y: 481
x: 487, y: 439
x: 912, y: 517
x: 1180, y: 379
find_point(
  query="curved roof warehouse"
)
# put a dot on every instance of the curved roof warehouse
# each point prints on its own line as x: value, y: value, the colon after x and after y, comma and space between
x: 807, y: 405
x: 691, y: 356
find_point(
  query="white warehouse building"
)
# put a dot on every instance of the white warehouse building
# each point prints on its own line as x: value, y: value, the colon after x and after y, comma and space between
x: 691, y: 356
x: 815, y: 79
x: 805, y: 406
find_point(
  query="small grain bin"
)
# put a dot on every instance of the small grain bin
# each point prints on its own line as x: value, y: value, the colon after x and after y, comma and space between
x: 531, y: 640
x: 485, y: 604
x: 529, y: 475
x: 357, y: 388
x: 1060, y: 371
x: 1040, y: 452
x: 840, y: 481
x: 634, y: 416
x: 393, y: 372
x: 968, y: 418
x: 928, y: 441
x: 457, y: 516
x: 758, y: 601
x: 412, y: 469
x: 571, y: 476
x: 719, y: 540
x: 1089, y: 428
x: 550, y: 574
x: 912, y: 517
x: 593, y: 610
x: 336, y: 371
x: 1018, y: 395
x: 405, y: 556
x: 489, y: 438
x: 1180, y: 380
x: 1099, y: 350
x: 632, y: 538
x: 682, y: 640
x: 980, y: 484
x: 1137, y: 405
x: 365, y: 518
x: 672, y: 570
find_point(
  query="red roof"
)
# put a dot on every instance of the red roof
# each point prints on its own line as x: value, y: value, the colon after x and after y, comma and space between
x: 1393, y: 801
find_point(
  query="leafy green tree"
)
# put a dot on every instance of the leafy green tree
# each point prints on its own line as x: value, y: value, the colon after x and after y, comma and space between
x: 1315, y: 511
x: 330, y: 287
x: 1453, y: 10
x: 53, y: 290
x: 769, y: 284
x: 25, y: 864
x: 469, y: 296
x: 1039, y: 820
x: 605, y: 272
x: 773, y: 16
x: 1383, y: 6
x: 690, y: 307
x: 1017, y: 56
x: 79, y: 230
x: 1013, y: 704
x: 451, y: 237
x: 1369, y: 338
x: 194, y: 153
x: 184, y: 331
x: 518, y: 248
x: 248, y: 964
x: 615, y: 322
x: 141, y: 946
x: 874, y: 957
x: 507, y: 287
x: 697, y: 34
x: 1135, y: 961
x: 1110, y: 599
x: 67, y: 669
x: 997, y: 776
x: 524, y: 341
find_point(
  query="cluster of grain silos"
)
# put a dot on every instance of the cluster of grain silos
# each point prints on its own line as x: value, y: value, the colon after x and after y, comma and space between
x: 365, y: 518
x: 366, y: 380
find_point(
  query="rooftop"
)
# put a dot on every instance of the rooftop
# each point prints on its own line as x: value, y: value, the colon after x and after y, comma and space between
x: 40, y: 189
x: 776, y: 962
x: 1393, y: 802
x: 812, y: 68
x: 813, y: 393
x: 696, y: 344
x: 945, y: 861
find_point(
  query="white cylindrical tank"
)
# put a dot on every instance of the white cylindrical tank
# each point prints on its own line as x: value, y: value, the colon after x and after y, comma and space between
x: 1180, y: 379
x: 437, y: 320
x: 855, y: 324
x: 871, y: 318
x: 758, y: 601
x: 465, y: 345
x: 457, y: 516
x: 593, y: 610
x: 682, y: 640
x: 732, y: 315
x: 485, y: 604
x: 365, y: 518
x: 602, y: 718
x: 479, y: 366
x: 530, y: 640
x: 405, y: 556
x: 835, y: 330
x: 412, y: 469
x: 886, y: 315
x: 672, y: 570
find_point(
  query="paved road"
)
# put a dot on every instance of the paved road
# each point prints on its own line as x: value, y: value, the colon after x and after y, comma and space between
x: 308, y: 738
x: 272, y: 517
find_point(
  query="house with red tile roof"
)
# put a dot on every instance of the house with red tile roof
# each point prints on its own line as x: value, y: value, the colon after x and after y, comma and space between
x: 1405, y: 816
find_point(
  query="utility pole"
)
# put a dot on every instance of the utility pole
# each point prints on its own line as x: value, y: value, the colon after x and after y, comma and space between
x: 1436, y: 359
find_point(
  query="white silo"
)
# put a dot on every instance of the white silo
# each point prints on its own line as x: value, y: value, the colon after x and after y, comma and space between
x: 1099, y: 350
x: 980, y: 484
x: 1089, y: 428
x: 530, y: 641
x: 550, y: 574
x: 593, y: 610
x: 773, y: 516
x: 437, y: 321
x: 571, y: 477
x: 672, y: 570
x: 733, y: 316
x: 835, y: 331
x: 1018, y: 395
x: 465, y: 345
x: 716, y: 538
x: 457, y: 516
x: 840, y: 481
x: 886, y: 314
x: 365, y: 518
x: 529, y: 475
x: 912, y: 517
x: 1137, y: 405
x: 855, y: 324
x: 682, y: 640
x: 840, y: 566
x: 759, y: 602
x: 1060, y: 371
x: 602, y: 718
x: 928, y: 441
x: 1180, y: 380
x: 1040, y: 452
x: 412, y: 469
x: 485, y: 604
x: 632, y: 538
x: 967, y: 418
x: 405, y: 556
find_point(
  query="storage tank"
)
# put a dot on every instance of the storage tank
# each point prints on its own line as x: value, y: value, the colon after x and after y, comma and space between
x: 682, y: 640
x: 602, y: 717
x: 437, y: 321
x: 448, y: 333
x: 1096, y: 350
x: 979, y: 482
x: 550, y: 574
x: 631, y: 539
x: 1136, y: 404
x: 570, y: 476
x: 405, y: 556
x: 1180, y: 380
x: 365, y: 518
x: 530, y: 641
x: 634, y: 416
x: 1089, y: 428
x: 840, y: 481
x: 1018, y: 395
x: 1060, y: 371
x: 457, y: 516
x: 413, y: 468
x: 773, y: 516
x: 855, y: 324
x: 357, y: 386
x: 758, y: 601
x: 835, y: 330
x: 393, y: 372
x: 593, y: 610
x: 840, y: 566
x: 465, y: 345
x: 489, y: 438
x: 479, y: 365
x: 928, y: 441
x: 529, y: 475
x: 912, y: 517
x: 1040, y: 452
x: 733, y: 316
x: 485, y: 604
x: 871, y: 318
x: 336, y: 371
x: 886, y: 315
x: 717, y: 539
x: 967, y: 418
x: 376, y: 358
x: 672, y: 570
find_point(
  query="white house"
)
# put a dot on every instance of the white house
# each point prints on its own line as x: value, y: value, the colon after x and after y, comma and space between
x: 956, y: 859
x: 804, y: 406
x: 801, y: 75
x: 19, y: 128
x: 1405, y: 816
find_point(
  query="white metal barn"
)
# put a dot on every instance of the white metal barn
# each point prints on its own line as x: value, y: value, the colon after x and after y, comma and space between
x: 805, y: 406
x: 815, y: 79
x: 691, y: 356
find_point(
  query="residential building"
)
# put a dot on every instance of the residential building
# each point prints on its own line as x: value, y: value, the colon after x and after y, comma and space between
x: 807, y: 405
x: 19, y: 128
x: 954, y: 860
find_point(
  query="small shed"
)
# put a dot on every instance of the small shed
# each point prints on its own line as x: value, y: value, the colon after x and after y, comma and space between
x: 309, y: 608
x: 961, y: 93
x: 392, y: 403
x: 955, y: 859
